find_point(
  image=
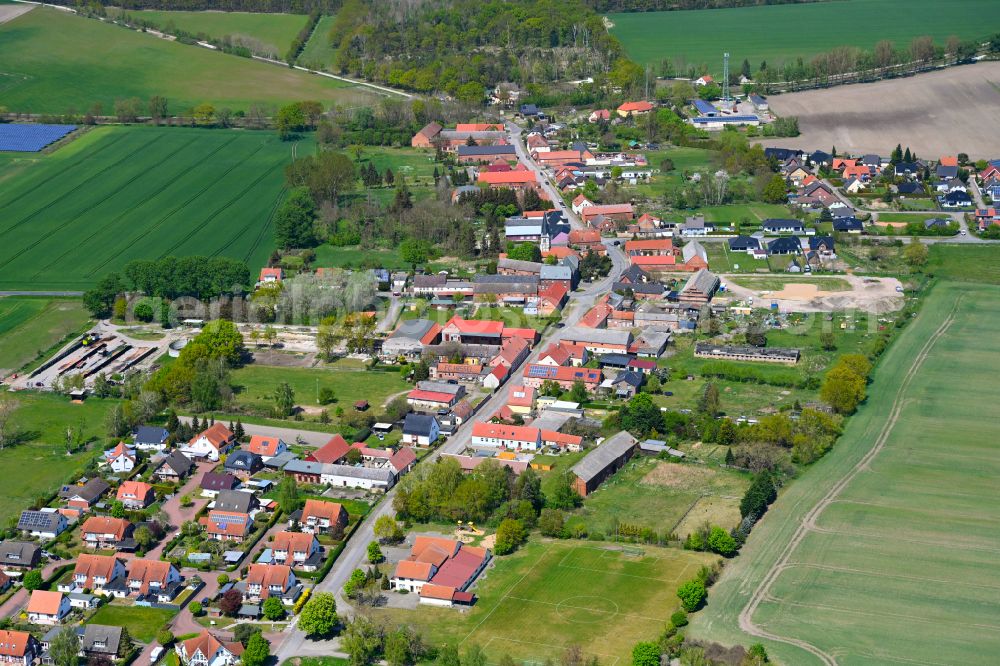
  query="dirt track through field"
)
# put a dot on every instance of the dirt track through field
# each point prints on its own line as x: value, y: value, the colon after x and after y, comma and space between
x: 944, y: 112
x: 11, y: 12
x: 762, y: 592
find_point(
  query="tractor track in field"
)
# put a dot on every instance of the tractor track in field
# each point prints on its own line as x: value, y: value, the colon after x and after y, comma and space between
x: 70, y: 166
x: 85, y: 182
x: 260, y: 232
x: 264, y: 174
x: 173, y: 210
x: 762, y: 591
x: 118, y: 217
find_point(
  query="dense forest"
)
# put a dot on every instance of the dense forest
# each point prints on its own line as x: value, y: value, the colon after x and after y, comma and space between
x: 258, y: 6
x: 609, y: 6
x: 460, y: 46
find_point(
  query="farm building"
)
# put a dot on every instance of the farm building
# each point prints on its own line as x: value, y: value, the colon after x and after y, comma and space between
x: 603, y: 461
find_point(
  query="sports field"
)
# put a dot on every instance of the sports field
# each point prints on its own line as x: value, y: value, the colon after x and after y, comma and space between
x: 119, y: 194
x: 551, y: 595
x: 30, y: 325
x: 54, y: 61
x: 885, y: 551
x: 275, y: 31
x: 780, y: 33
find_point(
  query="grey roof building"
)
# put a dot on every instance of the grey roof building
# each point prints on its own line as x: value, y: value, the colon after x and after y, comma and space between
x: 235, y: 500
x: 603, y: 461
x: 19, y: 554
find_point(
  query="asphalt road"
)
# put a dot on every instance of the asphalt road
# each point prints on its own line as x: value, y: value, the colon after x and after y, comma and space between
x: 355, y: 554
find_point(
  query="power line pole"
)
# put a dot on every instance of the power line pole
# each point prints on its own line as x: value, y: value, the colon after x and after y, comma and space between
x: 725, y: 77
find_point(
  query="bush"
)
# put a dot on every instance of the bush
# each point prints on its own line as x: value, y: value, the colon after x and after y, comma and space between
x: 679, y: 619
x: 692, y: 594
x: 164, y: 637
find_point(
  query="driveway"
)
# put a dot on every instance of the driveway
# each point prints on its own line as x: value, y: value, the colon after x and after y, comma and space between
x: 176, y: 514
x: 12, y: 606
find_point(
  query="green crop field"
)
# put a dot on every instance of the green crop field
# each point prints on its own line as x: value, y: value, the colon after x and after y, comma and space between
x: 119, y: 194
x: 885, y: 550
x: 30, y: 325
x: 965, y: 263
x: 779, y: 33
x: 318, y: 54
x: 39, y: 451
x: 54, y: 62
x: 550, y: 595
x: 275, y: 31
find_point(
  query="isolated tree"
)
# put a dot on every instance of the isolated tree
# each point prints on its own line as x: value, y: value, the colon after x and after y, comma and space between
x: 288, y: 495
x: 578, y: 392
x: 646, y: 653
x: 525, y: 252
x: 203, y: 114
x: 915, y: 253
x: 551, y: 522
x: 273, y: 608
x: 294, y: 219
x: 319, y: 615
x: 289, y: 120
x: 775, y: 191
x: 257, y: 651
x: 692, y: 594
x: 32, y: 580
x: 157, y: 107
x: 7, y: 409
x: 231, y: 602
x: 510, y: 535
x: 284, y: 400
x: 720, y: 541
x: 64, y: 647
x: 843, y: 389
x: 374, y: 552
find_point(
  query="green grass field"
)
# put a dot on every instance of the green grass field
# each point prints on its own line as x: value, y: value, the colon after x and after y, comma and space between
x: 142, y: 623
x: 656, y: 494
x: 55, y: 61
x: 780, y: 33
x: 29, y: 325
x: 965, y: 263
x: 275, y: 31
x: 40, y: 459
x: 550, y: 595
x: 348, y: 382
x: 119, y: 194
x: 886, y: 548
x: 317, y: 54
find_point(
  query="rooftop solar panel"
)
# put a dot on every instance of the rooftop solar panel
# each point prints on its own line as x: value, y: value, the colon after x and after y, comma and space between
x: 31, y: 138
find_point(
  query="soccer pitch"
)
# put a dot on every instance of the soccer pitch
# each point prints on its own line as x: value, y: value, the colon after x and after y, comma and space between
x: 886, y: 550
x: 119, y: 194
x: 555, y: 594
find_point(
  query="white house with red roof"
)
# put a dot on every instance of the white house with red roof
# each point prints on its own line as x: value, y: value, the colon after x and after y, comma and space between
x: 269, y: 275
x: 207, y: 650
x: 264, y: 581
x: 120, y: 459
x: 598, y: 115
x: 705, y: 80
x: 18, y: 647
x: 135, y: 494
x: 579, y: 203
x: 629, y: 109
x: 266, y: 447
x: 440, y: 570
x: 47, y: 607
x: 499, y: 435
x: 210, y: 443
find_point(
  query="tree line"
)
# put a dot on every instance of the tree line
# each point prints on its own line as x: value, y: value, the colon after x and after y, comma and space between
x: 610, y: 6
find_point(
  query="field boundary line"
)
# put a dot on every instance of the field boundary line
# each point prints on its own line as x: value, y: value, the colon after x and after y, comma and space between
x: 923, y: 542
x: 878, y: 505
x: 746, y: 622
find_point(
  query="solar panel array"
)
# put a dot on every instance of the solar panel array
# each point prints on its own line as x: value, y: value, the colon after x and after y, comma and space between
x: 31, y: 138
x: 30, y: 519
